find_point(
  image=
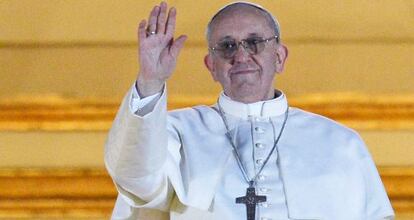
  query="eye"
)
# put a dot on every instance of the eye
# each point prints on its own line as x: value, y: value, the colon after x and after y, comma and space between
x: 253, y: 41
x: 226, y: 45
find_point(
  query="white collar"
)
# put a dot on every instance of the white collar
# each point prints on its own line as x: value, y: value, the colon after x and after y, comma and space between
x: 268, y: 108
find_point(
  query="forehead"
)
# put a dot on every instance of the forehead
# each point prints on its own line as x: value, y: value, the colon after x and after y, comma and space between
x: 240, y: 23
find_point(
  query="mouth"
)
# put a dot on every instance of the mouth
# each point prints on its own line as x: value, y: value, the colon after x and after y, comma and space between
x: 240, y: 72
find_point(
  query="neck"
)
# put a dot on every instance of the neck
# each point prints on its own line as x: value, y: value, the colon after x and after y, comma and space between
x: 254, y: 98
x: 269, y: 108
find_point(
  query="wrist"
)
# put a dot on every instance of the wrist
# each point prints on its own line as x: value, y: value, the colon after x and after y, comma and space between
x: 147, y: 88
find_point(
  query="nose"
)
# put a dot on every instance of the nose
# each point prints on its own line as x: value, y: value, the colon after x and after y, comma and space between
x: 241, y: 54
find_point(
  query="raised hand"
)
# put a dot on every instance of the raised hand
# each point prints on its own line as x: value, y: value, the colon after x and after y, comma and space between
x: 158, y: 50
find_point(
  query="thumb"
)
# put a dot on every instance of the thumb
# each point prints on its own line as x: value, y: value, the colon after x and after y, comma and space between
x: 177, y: 45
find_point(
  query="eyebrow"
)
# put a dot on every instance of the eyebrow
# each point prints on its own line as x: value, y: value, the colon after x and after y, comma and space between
x: 226, y: 37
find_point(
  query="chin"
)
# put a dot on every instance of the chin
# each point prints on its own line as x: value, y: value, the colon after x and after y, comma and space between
x: 248, y: 78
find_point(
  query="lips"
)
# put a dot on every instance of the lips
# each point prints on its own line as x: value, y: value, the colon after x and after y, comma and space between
x: 246, y: 71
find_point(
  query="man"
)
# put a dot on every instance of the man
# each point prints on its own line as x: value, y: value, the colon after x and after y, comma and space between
x: 250, y: 156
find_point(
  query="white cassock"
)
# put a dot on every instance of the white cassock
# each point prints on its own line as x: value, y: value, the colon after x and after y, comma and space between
x: 182, y: 163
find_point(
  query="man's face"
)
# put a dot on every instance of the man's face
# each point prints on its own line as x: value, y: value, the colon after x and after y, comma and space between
x: 245, y: 77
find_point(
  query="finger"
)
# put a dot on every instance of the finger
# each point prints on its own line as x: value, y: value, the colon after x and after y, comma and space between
x: 171, y: 22
x: 142, y: 34
x: 161, y: 18
x: 177, y: 45
x: 152, y: 20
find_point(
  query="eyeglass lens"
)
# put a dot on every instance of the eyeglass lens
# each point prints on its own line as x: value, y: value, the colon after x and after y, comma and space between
x: 228, y: 48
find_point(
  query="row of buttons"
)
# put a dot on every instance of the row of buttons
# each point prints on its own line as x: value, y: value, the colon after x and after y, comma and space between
x: 260, y: 162
x: 259, y: 145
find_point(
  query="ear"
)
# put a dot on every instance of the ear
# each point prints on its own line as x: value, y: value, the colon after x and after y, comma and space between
x: 208, y: 61
x: 281, y: 56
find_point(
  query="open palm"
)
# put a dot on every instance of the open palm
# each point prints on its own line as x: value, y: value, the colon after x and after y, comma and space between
x: 158, y: 50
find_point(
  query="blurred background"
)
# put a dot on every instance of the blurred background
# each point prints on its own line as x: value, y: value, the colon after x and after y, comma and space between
x: 66, y: 64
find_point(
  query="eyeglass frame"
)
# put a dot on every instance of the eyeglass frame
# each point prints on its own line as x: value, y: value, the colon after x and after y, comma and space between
x: 243, y: 42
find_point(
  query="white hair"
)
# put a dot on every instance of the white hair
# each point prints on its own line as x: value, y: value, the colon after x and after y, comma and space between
x: 269, y: 16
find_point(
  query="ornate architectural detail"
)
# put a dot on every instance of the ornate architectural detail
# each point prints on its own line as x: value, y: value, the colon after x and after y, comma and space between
x: 56, y: 114
x: 90, y: 193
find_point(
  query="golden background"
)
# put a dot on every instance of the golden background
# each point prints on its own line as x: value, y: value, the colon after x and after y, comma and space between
x: 65, y: 65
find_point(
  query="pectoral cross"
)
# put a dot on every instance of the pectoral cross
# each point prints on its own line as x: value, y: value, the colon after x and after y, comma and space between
x: 250, y: 200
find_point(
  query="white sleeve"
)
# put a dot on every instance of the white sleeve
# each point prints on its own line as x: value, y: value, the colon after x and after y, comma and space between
x: 136, y: 153
x: 142, y: 106
x: 378, y: 205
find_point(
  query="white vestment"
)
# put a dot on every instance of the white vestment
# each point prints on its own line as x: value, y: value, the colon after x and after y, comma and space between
x: 182, y: 163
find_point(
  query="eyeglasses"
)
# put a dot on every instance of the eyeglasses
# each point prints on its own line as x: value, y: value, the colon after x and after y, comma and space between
x: 229, y: 47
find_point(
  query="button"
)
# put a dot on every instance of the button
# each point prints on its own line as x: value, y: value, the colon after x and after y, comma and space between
x: 260, y: 119
x: 265, y: 204
x: 261, y: 177
x: 259, y: 161
x: 264, y: 190
x: 259, y: 145
x: 259, y: 129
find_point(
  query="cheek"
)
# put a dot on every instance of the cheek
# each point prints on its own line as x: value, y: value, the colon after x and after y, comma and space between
x: 221, y: 70
x: 269, y: 64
